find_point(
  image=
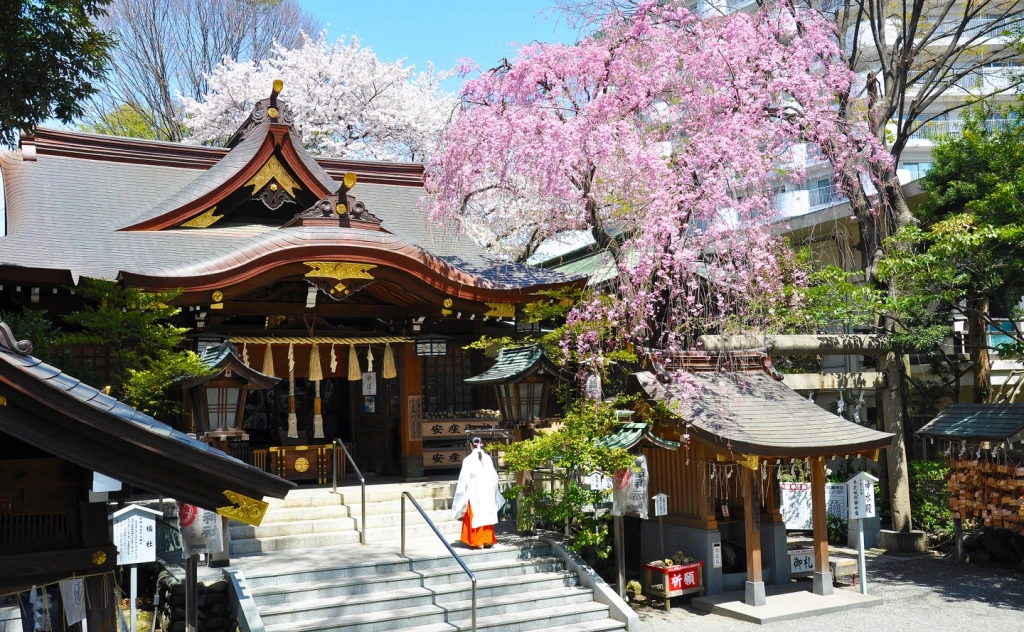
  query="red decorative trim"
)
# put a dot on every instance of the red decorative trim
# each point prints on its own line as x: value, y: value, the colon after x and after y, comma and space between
x: 68, y: 144
x: 423, y: 266
x: 276, y: 139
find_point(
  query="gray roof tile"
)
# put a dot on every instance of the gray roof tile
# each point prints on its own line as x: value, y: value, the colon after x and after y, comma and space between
x: 978, y: 421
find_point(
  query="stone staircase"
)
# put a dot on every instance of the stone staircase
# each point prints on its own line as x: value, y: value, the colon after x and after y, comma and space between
x: 306, y: 570
x: 323, y: 519
x: 520, y: 587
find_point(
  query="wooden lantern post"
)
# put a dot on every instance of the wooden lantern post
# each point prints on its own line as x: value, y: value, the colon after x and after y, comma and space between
x: 822, y: 572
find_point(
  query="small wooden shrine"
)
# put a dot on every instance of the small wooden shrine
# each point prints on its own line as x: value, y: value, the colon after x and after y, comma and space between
x: 323, y: 273
x: 739, y: 426
x: 56, y: 433
x: 984, y: 446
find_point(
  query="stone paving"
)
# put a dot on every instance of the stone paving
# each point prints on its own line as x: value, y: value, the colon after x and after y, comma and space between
x: 921, y: 594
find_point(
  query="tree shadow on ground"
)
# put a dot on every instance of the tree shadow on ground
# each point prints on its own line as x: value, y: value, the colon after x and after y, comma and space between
x: 992, y: 584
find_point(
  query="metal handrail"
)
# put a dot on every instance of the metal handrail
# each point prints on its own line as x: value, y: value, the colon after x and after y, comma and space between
x: 430, y: 523
x: 362, y: 483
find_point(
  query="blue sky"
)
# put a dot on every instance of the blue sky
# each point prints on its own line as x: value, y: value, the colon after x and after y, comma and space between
x: 444, y: 30
x: 441, y: 31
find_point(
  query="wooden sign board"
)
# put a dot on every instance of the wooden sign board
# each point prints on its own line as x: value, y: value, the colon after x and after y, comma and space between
x: 862, y: 496
x: 451, y: 457
x: 447, y: 428
x: 660, y: 505
x: 801, y: 561
x: 135, y: 535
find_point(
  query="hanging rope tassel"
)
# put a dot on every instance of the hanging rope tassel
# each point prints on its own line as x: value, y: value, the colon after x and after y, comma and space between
x: 245, y: 355
x: 293, y: 422
x: 316, y: 374
x: 353, y: 365
x: 389, y: 371
x: 268, y: 361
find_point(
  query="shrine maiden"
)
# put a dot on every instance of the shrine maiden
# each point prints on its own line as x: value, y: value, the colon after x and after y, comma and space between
x: 477, y: 498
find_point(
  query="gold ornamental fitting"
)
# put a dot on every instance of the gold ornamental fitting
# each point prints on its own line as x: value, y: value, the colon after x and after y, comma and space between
x: 272, y: 112
x: 217, y: 296
x: 301, y: 464
x: 273, y: 186
x: 99, y: 558
x: 341, y: 209
x: 278, y: 85
x: 448, y: 302
x: 349, y: 180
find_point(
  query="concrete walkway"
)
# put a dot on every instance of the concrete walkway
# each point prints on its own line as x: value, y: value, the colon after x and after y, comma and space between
x: 920, y: 594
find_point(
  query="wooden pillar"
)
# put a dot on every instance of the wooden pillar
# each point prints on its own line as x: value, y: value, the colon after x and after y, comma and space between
x: 754, y: 591
x: 822, y: 572
x: 410, y: 378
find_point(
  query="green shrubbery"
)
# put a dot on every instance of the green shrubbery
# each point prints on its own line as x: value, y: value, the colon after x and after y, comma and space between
x: 929, y: 500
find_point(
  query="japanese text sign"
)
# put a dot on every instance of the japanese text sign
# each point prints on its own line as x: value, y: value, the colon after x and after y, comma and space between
x: 801, y: 561
x: 862, y: 496
x: 135, y: 535
x: 660, y: 505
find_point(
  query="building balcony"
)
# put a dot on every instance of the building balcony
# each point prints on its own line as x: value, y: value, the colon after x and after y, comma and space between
x: 803, y: 201
x: 935, y: 129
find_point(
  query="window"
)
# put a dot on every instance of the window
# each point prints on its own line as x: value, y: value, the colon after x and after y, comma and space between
x: 529, y: 399
x: 222, y: 403
x: 917, y: 170
x: 444, y: 387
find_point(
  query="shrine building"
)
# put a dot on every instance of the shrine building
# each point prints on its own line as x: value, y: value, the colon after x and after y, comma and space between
x: 347, y: 310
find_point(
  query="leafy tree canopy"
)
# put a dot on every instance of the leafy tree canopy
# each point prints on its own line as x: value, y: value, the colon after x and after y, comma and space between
x: 969, y: 248
x: 51, y: 53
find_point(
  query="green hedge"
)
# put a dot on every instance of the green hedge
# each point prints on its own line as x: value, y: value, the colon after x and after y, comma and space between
x: 930, y: 501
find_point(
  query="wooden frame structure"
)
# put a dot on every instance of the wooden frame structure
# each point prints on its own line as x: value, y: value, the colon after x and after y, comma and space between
x: 740, y: 419
x: 268, y: 242
x: 57, y: 432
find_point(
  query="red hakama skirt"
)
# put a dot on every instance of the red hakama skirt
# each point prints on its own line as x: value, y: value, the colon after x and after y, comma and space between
x: 480, y: 536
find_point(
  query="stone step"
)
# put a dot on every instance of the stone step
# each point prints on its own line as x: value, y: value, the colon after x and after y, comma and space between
x: 515, y: 570
x: 598, y: 625
x: 591, y: 622
x: 566, y: 604
x: 316, y: 524
x: 395, y: 506
x: 245, y: 546
x: 434, y: 490
x: 349, y: 565
x: 249, y: 546
x: 392, y: 599
x: 288, y: 514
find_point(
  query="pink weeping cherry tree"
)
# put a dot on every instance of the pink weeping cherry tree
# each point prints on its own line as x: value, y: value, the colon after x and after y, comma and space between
x: 665, y: 136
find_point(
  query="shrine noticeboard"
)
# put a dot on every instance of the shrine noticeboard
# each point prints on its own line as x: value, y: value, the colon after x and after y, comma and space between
x: 135, y: 535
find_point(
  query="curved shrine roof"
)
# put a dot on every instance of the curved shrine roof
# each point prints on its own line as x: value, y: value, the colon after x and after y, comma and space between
x: 751, y: 413
x: 70, y: 196
x: 67, y: 418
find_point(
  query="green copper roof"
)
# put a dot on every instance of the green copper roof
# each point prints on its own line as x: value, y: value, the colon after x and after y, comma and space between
x: 628, y: 435
x: 598, y: 267
x: 514, y: 364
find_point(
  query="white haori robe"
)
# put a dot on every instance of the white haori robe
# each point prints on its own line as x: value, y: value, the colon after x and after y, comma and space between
x: 478, y: 486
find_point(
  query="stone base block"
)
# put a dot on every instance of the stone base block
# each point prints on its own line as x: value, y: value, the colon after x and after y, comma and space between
x: 753, y: 594
x: 905, y: 542
x: 411, y: 467
x: 823, y: 584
